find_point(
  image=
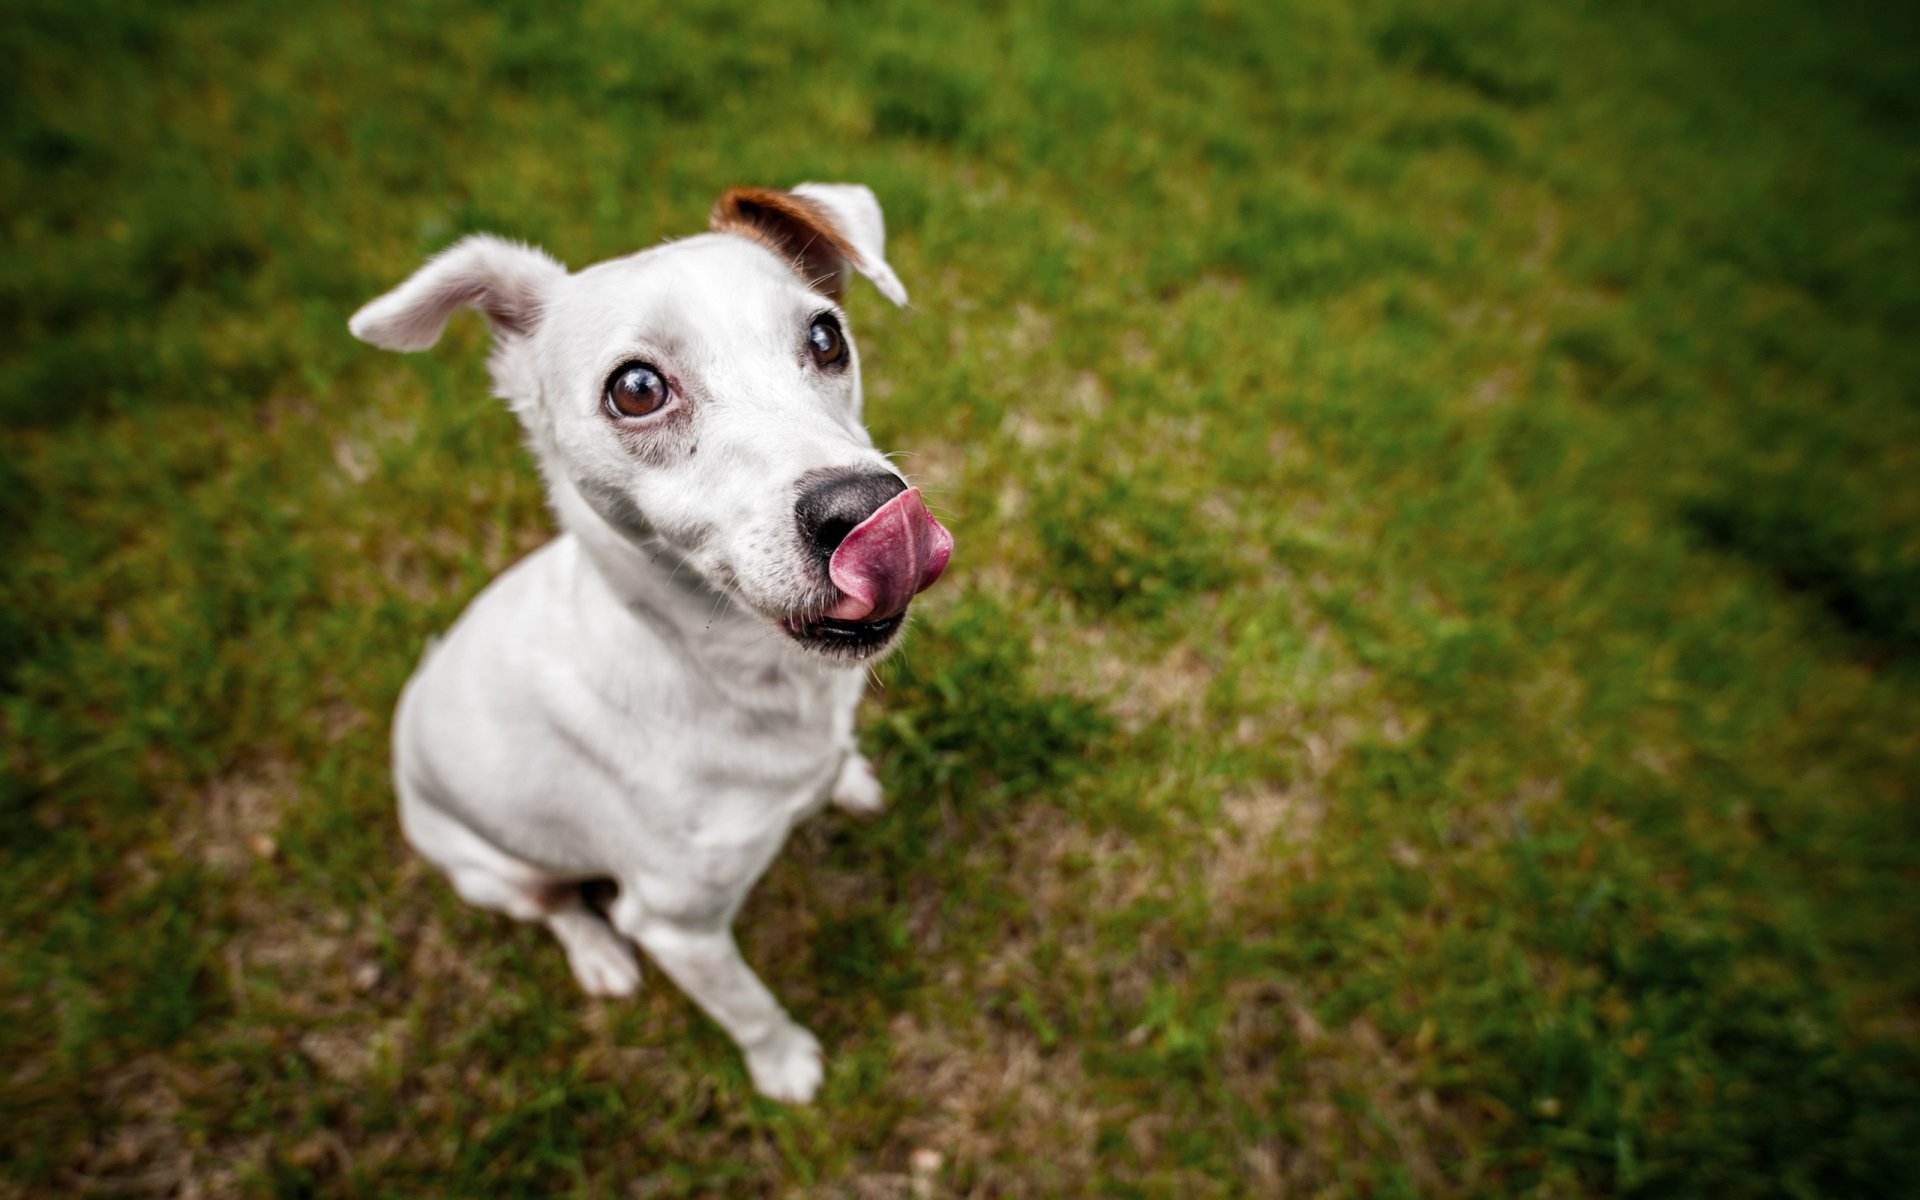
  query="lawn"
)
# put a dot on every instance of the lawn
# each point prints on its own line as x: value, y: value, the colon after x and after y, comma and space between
x: 1425, y: 703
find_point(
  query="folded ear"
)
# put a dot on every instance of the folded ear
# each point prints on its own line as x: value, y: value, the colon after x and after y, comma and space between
x: 823, y: 229
x: 507, y: 281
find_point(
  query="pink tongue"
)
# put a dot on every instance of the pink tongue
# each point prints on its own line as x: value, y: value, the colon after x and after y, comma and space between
x: 893, y: 554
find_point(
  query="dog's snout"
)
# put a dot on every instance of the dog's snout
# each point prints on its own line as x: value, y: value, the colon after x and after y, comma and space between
x: 832, y: 505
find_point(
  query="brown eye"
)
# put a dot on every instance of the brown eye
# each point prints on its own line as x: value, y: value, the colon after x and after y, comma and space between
x: 635, y: 390
x: 828, y: 344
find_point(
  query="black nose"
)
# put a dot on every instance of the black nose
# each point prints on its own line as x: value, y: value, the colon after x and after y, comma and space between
x: 832, y: 503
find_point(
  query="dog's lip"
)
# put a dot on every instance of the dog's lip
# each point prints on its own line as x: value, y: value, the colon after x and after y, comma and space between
x: 824, y: 631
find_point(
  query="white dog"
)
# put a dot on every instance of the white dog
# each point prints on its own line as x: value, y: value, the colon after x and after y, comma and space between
x: 660, y: 693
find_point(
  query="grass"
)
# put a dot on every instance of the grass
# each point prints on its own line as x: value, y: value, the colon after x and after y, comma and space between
x: 1424, y: 705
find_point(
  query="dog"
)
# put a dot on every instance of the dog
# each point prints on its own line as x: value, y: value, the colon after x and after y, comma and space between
x: 660, y: 693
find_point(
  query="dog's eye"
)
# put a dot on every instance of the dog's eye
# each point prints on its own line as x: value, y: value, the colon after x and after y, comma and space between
x: 828, y: 344
x: 635, y: 390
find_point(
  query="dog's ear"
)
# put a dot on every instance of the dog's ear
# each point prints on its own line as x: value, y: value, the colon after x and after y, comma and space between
x: 823, y: 229
x: 505, y: 280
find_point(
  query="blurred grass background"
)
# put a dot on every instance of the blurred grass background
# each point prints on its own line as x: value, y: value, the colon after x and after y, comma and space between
x: 1426, y: 702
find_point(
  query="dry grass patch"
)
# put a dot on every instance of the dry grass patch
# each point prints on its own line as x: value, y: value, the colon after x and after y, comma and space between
x: 1138, y: 684
x: 236, y: 818
x: 1011, y: 1118
x: 1264, y: 833
x: 1344, y: 1102
x: 150, y: 1150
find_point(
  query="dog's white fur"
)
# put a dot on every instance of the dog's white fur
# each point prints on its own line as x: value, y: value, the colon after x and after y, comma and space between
x: 624, y: 703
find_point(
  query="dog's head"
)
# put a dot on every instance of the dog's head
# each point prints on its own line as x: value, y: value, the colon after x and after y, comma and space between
x: 705, y: 395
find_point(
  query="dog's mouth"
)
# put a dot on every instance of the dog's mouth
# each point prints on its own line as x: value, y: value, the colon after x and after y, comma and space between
x: 877, y: 567
x: 855, y: 639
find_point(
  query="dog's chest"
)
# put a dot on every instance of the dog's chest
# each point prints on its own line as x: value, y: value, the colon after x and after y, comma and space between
x: 765, y: 742
x: 773, y: 736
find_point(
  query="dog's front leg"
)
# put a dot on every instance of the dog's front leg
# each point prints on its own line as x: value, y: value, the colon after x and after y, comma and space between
x: 856, y: 790
x: 700, y: 955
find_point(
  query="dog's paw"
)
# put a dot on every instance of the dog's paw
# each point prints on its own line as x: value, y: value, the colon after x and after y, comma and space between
x: 605, y: 966
x: 787, y: 1066
x: 857, y: 791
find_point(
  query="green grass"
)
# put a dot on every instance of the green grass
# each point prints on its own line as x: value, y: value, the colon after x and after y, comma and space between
x: 1425, y: 703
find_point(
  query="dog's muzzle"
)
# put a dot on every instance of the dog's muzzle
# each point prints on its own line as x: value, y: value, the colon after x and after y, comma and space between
x: 881, y: 548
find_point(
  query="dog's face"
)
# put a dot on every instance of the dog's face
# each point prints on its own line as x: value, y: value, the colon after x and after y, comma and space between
x: 705, y: 395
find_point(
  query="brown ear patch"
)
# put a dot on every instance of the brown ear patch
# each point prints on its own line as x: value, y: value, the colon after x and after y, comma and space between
x: 795, y: 228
